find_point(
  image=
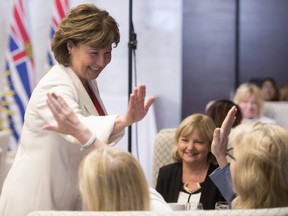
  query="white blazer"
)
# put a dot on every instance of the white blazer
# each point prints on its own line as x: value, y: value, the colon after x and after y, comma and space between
x: 44, y: 175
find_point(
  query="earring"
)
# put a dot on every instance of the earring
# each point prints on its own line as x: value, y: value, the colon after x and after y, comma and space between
x: 69, y: 52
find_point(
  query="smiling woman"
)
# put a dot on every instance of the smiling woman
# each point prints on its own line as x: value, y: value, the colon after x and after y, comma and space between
x: 88, y: 62
x: 187, y: 179
x: 82, y: 46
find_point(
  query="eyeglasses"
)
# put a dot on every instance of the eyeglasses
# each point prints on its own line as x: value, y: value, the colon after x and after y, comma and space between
x: 229, y: 153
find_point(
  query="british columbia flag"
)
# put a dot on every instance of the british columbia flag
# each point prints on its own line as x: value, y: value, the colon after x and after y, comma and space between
x: 19, y: 74
x: 61, y: 7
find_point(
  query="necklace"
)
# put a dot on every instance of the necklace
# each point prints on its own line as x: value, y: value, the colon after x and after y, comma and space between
x: 187, y: 189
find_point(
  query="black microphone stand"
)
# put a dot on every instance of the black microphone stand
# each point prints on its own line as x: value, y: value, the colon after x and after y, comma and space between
x: 132, y: 45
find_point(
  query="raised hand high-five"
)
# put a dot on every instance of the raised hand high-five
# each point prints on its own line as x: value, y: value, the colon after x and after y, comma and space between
x: 220, y: 138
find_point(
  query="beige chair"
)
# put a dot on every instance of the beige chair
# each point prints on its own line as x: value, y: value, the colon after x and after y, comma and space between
x: 277, y: 111
x: 163, y: 144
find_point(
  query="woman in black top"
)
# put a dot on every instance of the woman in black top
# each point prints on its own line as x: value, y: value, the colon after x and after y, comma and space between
x: 188, y: 179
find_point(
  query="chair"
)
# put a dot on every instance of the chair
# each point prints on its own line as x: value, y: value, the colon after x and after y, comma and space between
x: 163, y: 144
x: 277, y: 111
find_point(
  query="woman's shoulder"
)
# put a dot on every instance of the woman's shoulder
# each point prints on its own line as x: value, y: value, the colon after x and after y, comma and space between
x: 172, y: 165
x: 169, y: 172
x: 212, y: 167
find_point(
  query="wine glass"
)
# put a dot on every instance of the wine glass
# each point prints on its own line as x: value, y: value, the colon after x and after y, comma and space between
x: 194, y: 206
x: 221, y: 205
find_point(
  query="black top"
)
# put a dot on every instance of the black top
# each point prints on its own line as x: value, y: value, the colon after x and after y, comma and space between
x: 169, y: 184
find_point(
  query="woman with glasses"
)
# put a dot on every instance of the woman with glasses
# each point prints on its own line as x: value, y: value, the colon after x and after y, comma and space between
x: 259, y: 165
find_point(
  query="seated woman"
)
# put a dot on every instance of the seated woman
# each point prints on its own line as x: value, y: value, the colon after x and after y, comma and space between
x: 269, y: 89
x: 259, y: 167
x: 105, y: 170
x: 188, y: 180
x: 248, y: 97
x: 118, y: 176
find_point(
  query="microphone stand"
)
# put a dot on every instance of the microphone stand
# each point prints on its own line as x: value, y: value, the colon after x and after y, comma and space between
x: 132, y: 45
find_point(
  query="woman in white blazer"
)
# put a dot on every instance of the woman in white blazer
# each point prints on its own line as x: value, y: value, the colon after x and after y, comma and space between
x: 68, y: 123
x: 44, y: 173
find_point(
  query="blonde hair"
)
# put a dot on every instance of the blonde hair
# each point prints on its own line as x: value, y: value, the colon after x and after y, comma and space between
x: 246, y: 90
x: 261, y: 167
x: 113, y: 180
x: 85, y: 24
x: 205, y: 128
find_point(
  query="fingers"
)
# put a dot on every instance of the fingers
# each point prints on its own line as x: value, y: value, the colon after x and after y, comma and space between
x: 216, y: 136
x: 216, y: 133
x: 149, y: 103
x: 229, y: 119
x: 50, y: 128
x: 52, y: 105
x: 141, y: 91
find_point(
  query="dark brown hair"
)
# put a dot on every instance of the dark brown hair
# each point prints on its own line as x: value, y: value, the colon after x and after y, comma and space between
x: 219, y: 109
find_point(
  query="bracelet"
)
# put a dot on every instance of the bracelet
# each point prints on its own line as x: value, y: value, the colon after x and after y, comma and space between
x: 89, y: 142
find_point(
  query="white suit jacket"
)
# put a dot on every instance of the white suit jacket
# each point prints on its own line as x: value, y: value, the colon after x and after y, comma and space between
x: 44, y: 175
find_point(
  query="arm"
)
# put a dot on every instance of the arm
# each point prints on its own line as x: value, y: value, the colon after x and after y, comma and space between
x: 220, y: 138
x: 67, y: 121
x: 222, y: 176
x: 222, y: 179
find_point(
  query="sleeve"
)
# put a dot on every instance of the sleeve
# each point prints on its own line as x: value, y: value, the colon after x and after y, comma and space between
x: 222, y: 179
x: 157, y: 202
x: 103, y: 127
x: 64, y: 86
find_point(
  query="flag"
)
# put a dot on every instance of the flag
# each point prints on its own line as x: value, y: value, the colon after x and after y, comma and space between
x: 20, y: 78
x: 60, y: 8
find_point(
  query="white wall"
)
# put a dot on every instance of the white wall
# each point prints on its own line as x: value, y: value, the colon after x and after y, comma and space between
x: 158, y: 54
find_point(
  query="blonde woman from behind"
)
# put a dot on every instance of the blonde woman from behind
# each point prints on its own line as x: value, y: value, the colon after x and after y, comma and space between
x: 113, y: 180
x: 260, y: 168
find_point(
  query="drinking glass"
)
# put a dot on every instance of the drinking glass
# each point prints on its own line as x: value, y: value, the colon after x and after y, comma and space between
x: 194, y: 206
x: 177, y: 206
x: 221, y: 205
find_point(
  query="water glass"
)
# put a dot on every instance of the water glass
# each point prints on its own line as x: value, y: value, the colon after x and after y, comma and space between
x: 221, y: 205
x: 177, y: 206
x: 193, y: 206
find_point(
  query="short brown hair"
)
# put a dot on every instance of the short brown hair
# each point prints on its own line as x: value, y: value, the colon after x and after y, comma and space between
x: 85, y: 24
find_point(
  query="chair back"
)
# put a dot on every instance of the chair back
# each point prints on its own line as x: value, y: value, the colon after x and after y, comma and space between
x: 277, y: 111
x: 163, y: 144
